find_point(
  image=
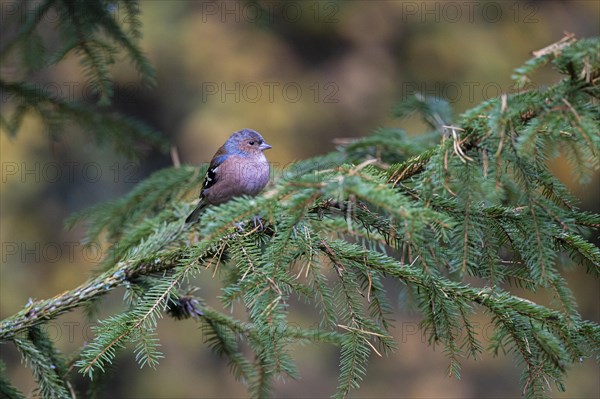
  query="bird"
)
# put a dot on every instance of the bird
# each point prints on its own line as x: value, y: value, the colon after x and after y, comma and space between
x: 239, y: 167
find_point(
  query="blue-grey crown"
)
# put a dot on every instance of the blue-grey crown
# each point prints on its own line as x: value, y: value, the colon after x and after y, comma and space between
x: 243, y: 134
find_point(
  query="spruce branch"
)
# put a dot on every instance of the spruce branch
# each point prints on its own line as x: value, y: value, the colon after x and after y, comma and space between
x: 88, y: 29
x: 39, y: 312
x: 475, y: 197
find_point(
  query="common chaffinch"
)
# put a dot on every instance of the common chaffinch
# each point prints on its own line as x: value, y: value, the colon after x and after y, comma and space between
x: 239, y: 167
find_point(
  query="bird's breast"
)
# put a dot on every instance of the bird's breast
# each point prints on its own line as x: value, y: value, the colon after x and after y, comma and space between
x: 253, y: 174
x: 238, y: 176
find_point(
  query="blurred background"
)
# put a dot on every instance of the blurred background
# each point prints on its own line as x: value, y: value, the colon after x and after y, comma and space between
x: 302, y: 74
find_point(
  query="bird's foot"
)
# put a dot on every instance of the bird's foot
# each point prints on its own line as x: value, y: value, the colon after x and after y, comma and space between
x: 240, y: 226
x: 258, y: 222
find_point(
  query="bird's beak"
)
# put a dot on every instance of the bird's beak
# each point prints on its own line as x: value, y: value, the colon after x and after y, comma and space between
x: 264, y: 146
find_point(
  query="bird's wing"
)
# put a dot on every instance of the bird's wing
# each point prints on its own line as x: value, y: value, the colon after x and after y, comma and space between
x: 211, y: 176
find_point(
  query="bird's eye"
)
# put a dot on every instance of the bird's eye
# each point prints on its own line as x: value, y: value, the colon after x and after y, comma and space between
x: 251, y: 142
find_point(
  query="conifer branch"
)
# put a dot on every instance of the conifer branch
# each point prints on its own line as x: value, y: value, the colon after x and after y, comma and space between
x: 39, y: 312
x: 473, y: 197
x: 84, y: 27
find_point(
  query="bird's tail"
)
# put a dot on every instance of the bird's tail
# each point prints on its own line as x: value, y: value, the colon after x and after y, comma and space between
x: 194, y: 216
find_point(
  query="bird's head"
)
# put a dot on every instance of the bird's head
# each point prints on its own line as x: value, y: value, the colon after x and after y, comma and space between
x: 247, y: 141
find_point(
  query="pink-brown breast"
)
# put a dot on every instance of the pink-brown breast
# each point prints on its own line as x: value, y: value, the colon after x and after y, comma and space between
x: 237, y: 176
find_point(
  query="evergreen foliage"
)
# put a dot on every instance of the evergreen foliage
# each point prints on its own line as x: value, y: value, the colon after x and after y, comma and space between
x: 474, y: 197
x: 96, y: 34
